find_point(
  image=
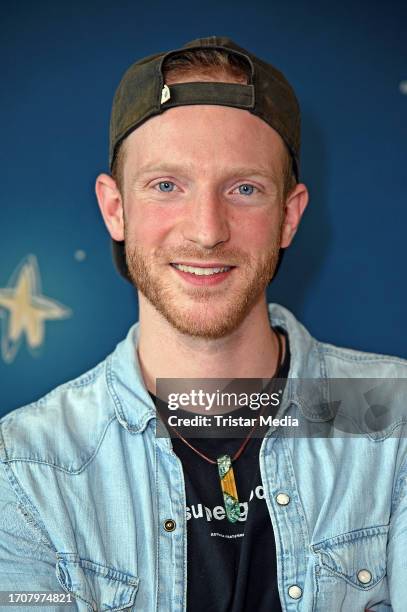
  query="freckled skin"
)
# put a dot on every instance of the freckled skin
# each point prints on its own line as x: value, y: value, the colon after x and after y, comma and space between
x: 206, y: 156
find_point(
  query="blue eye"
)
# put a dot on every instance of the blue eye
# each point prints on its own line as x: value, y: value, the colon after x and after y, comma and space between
x: 166, y: 186
x: 246, y: 189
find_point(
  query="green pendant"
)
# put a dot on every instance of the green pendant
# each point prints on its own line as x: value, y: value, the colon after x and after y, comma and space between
x: 228, y: 486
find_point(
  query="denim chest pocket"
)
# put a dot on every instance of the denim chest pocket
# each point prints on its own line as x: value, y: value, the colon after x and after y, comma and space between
x: 98, y: 587
x: 351, y: 568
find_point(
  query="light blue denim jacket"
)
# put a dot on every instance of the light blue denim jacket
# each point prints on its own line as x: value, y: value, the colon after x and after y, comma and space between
x: 86, y: 488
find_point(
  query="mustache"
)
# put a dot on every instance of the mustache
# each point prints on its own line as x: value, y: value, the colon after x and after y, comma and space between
x: 220, y: 254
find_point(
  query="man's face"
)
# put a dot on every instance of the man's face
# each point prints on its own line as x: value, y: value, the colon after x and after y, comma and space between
x: 202, y: 199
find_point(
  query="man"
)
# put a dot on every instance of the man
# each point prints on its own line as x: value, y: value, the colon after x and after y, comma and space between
x: 204, y: 195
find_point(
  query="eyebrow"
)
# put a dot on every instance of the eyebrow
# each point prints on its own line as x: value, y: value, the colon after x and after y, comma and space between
x: 160, y: 167
x: 267, y: 173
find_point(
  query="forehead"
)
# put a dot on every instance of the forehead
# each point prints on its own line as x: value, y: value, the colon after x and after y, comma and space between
x: 204, y: 136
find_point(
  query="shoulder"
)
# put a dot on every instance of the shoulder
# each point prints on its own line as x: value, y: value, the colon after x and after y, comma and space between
x: 344, y: 362
x: 64, y: 427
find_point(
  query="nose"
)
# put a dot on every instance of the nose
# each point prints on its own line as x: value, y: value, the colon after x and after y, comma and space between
x: 206, y: 221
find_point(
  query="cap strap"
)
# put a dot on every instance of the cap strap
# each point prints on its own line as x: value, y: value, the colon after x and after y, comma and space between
x: 210, y: 92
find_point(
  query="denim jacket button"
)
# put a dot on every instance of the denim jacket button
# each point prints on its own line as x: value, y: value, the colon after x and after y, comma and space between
x: 169, y: 525
x: 283, y: 499
x: 295, y: 591
x: 364, y: 576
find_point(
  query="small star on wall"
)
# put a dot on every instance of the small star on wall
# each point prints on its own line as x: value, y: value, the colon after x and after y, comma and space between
x: 24, y: 310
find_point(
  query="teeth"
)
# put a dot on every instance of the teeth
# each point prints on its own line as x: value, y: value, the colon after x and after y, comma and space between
x: 200, y: 271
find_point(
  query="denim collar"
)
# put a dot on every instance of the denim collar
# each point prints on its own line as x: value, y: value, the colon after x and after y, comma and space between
x: 134, y: 407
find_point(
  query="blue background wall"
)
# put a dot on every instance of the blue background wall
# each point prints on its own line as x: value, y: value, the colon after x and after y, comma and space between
x: 345, y: 276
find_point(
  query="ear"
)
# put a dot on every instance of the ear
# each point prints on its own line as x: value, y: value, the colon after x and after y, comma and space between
x: 295, y: 205
x: 111, y: 205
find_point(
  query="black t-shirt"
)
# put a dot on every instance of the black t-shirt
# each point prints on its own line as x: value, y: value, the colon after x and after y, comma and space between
x: 231, y: 566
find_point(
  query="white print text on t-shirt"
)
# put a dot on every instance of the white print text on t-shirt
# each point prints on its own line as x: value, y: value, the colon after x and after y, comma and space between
x: 218, y: 512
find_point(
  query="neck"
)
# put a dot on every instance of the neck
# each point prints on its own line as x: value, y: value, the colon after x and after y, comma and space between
x: 250, y: 351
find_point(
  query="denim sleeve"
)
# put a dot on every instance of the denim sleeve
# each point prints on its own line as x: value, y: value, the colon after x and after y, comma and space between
x: 27, y: 559
x: 397, y: 544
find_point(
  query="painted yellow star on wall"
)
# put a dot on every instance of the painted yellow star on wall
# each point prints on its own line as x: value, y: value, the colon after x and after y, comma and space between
x: 24, y: 309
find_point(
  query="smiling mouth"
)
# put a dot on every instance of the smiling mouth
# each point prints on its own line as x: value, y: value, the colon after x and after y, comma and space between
x: 201, y: 271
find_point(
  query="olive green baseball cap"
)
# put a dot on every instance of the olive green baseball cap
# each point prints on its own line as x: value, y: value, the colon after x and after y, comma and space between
x: 143, y: 93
